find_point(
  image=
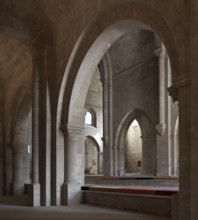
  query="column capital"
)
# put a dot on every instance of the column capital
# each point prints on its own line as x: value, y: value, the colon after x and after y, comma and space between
x: 68, y: 128
x: 160, y: 51
x: 173, y: 90
x: 160, y: 128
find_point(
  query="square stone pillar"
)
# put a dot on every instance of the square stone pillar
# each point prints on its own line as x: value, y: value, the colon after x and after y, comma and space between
x: 181, y: 92
x: 71, y: 194
x: 34, y: 194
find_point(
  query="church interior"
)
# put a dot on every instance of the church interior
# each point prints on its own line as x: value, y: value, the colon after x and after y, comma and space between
x: 98, y: 106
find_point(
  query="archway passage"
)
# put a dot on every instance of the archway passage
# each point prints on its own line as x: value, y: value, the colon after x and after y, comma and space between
x: 133, y: 150
x: 145, y: 137
x: 91, y: 156
x: 80, y: 73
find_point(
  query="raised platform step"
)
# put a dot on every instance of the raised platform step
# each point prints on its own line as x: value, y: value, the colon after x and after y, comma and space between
x: 134, y: 181
x: 133, y: 190
x: 151, y: 204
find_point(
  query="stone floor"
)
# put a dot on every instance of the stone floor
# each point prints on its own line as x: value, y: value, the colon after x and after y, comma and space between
x: 10, y: 211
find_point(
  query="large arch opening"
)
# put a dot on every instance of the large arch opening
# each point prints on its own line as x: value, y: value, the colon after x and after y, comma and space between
x: 147, y: 142
x: 72, y: 113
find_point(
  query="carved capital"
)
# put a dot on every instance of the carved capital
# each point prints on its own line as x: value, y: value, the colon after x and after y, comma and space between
x: 158, y: 51
x: 173, y: 92
x: 174, y: 89
x: 67, y: 128
x: 160, y: 128
x: 161, y: 51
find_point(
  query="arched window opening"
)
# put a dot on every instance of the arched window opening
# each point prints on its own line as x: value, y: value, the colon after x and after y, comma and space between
x: 133, y: 150
x: 90, y: 117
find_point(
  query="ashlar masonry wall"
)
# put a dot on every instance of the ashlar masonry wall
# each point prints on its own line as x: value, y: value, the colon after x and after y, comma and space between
x: 135, y: 79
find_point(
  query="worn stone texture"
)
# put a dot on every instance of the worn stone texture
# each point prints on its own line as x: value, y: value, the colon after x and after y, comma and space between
x: 133, y: 151
x: 65, y: 38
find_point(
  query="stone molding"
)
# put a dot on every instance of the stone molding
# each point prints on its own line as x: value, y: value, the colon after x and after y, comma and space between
x: 160, y: 128
x: 173, y: 90
x: 67, y: 128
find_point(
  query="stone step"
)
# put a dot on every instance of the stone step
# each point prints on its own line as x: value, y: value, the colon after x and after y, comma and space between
x: 134, y: 181
x: 151, y: 204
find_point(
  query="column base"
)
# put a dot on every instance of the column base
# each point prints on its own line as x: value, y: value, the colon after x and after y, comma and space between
x: 71, y: 194
x: 34, y: 193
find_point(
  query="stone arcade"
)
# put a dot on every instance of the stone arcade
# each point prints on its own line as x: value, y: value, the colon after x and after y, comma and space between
x: 98, y: 88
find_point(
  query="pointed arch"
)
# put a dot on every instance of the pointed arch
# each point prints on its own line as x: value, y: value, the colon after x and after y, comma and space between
x: 148, y: 141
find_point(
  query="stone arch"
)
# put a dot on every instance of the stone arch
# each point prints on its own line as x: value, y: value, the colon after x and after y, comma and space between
x: 22, y: 138
x: 148, y: 140
x: 133, y: 149
x: 21, y: 120
x: 95, y: 141
x: 124, y: 18
x: 94, y: 157
x: 93, y: 132
x: 109, y: 24
x: 17, y: 101
x: 27, y: 22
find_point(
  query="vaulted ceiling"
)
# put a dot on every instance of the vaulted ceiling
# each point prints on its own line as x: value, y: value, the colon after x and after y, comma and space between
x: 15, y: 59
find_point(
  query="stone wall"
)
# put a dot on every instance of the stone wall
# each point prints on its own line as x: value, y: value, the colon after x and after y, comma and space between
x: 132, y: 61
x: 94, y: 101
x: 91, y: 157
x: 133, y: 151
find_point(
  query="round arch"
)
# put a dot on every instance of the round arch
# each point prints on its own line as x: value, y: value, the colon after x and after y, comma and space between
x: 148, y: 141
x: 93, y: 132
x: 92, y: 156
x: 94, y: 42
x: 95, y: 142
